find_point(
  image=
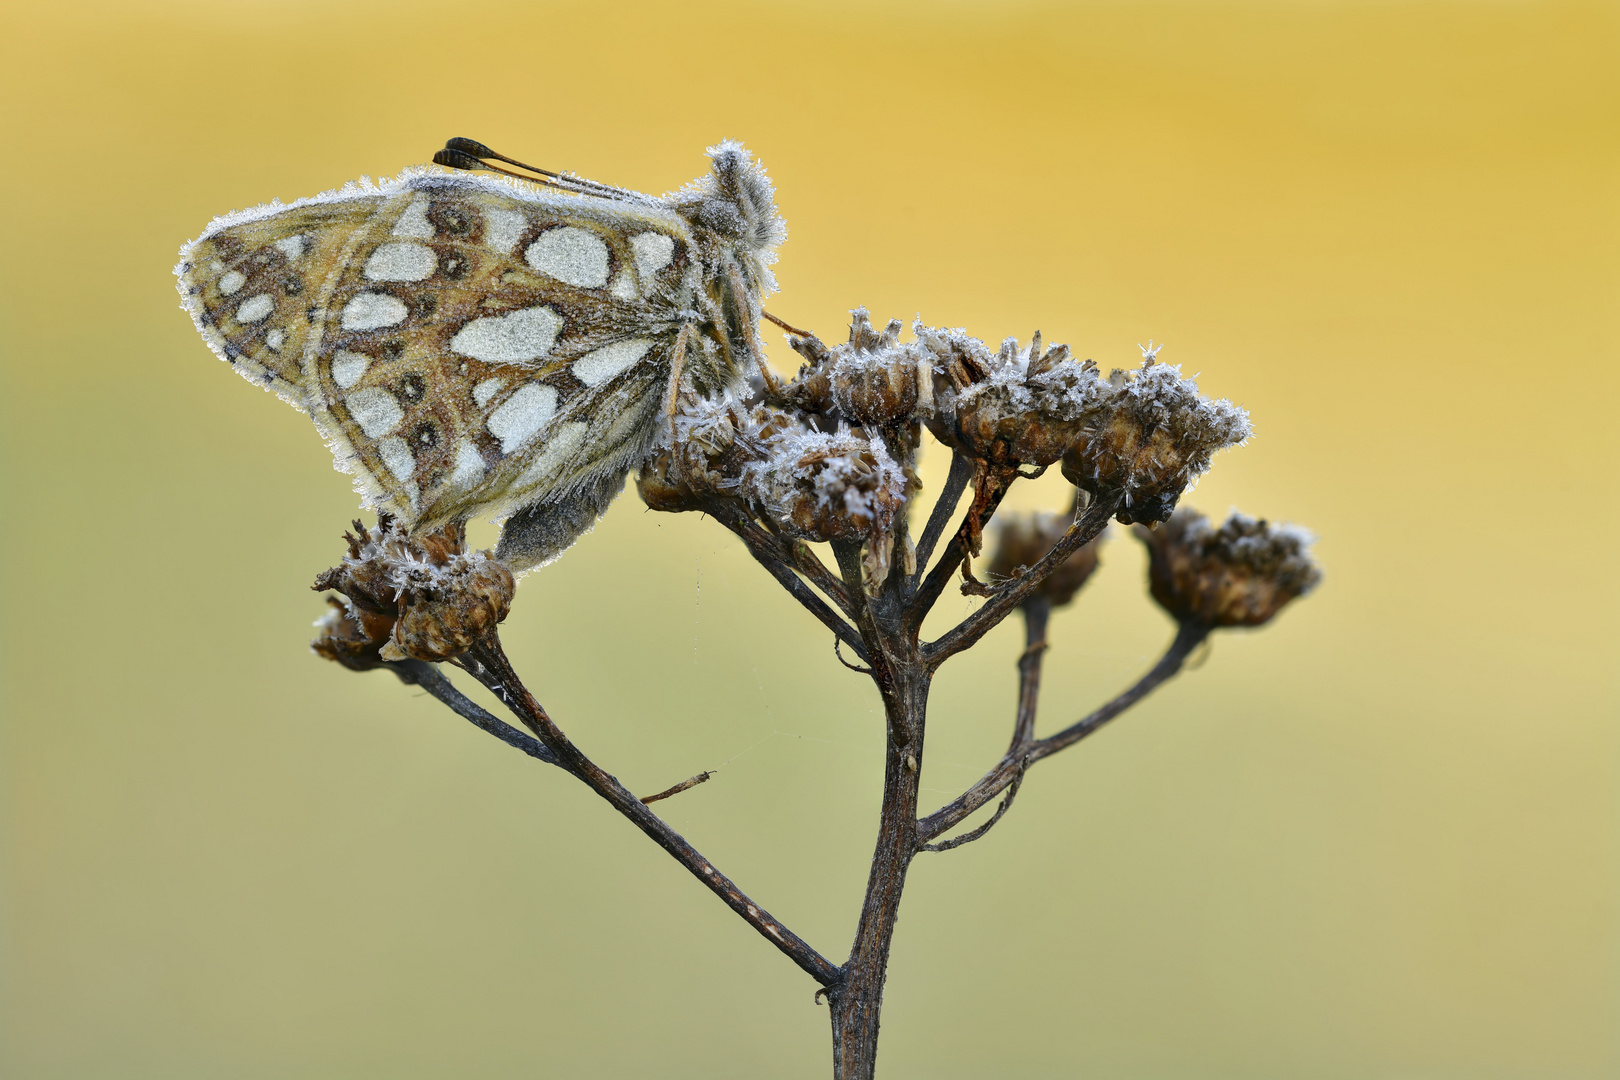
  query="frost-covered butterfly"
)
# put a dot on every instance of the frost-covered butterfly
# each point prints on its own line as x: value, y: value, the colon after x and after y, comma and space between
x: 485, y: 344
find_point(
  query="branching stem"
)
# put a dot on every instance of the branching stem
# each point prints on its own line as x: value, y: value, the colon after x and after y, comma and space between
x: 487, y: 662
x: 1004, y: 599
x: 993, y: 782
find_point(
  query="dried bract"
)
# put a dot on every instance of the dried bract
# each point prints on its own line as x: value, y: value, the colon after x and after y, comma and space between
x: 1151, y: 437
x: 351, y: 636
x: 1022, y: 540
x: 1014, y: 407
x: 1238, y: 575
x: 422, y: 597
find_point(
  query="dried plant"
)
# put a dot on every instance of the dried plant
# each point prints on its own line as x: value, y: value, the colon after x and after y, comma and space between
x: 830, y: 457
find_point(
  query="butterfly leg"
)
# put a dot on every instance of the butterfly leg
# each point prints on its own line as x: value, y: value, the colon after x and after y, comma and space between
x: 676, y: 364
x: 738, y: 289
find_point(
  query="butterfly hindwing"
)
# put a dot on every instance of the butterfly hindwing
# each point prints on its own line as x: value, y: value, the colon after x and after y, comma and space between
x: 468, y: 333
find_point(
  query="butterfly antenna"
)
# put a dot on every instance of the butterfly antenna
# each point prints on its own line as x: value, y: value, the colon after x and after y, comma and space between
x: 470, y: 154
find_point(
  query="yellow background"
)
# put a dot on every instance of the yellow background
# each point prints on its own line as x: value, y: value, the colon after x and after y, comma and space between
x: 1376, y: 839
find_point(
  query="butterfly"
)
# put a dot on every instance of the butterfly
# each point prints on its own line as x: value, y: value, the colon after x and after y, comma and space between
x: 492, y: 343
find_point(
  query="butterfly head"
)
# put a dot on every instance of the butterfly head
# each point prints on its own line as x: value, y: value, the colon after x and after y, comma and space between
x: 737, y: 202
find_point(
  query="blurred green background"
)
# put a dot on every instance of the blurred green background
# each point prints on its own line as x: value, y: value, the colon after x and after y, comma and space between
x: 1376, y: 839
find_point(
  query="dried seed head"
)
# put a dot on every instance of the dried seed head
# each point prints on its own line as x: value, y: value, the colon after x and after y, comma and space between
x: 1151, y: 436
x: 817, y: 485
x: 1022, y: 540
x: 420, y: 597
x: 445, y: 608
x: 827, y: 485
x: 876, y: 380
x: 1238, y: 575
x: 871, y: 380
x: 713, y: 443
x: 1018, y: 406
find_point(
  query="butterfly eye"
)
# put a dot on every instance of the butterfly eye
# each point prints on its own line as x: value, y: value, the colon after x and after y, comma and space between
x: 393, y: 350
x: 453, y: 267
x: 413, y: 388
x: 425, y: 436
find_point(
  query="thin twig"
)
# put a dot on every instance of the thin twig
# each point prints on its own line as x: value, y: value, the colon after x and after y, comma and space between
x: 692, y: 782
x: 848, y: 554
x: 985, y: 502
x: 998, y: 778
x: 974, y: 834
x: 487, y: 661
x: 431, y: 679
x: 804, y: 560
x: 760, y: 547
x: 1085, y: 529
x: 940, y: 516
x: 1037, y: 613
x: 853, y: 667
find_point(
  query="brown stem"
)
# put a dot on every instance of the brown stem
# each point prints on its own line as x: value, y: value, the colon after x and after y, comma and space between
x: 1001, y: 603
x: 951, y: 494
x: 431, y: 679
x: 993, y: 782
x: 884, y: 674
x: 487, y: 662
x: 1037, y: 613
x: 762, y: 547
x: 974, y: 834
x: 986, y: 498
x: 856, y: 1003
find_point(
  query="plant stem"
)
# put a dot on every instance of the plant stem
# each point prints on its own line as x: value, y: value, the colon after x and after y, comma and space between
x: 1087, y: 528
x: 491, y: 667
x: 856, y: 1003
x: 991, y: 783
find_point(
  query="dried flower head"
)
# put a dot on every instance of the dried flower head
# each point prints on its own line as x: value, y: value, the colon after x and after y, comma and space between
x: 1018, y: 406
x: 827, y: 485
x: 1151, y: 436
x: 422, y: 597
x: 1022, y: 540
x: 1238, y: 575
x: 712, y: 441
x: 871, y: 379
x: 817, y: 485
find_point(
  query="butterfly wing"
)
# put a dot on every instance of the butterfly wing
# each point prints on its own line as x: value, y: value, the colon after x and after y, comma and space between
x: 467, y: 344
x: 251, y: 281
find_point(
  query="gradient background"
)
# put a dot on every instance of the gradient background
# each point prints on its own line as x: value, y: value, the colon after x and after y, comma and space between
x: 1377, y: 839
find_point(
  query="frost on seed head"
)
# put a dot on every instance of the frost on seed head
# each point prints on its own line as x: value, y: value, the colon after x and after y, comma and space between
x: 1238, y: 575
x: 1017, y: 406
x: 419, y: 597
x: 872, y: 379
x: 818, y: 485
x: 1150, y: 437
x: 827, y: 485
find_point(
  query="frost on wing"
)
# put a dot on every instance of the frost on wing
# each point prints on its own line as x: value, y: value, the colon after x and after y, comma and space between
x: 251, y: 281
